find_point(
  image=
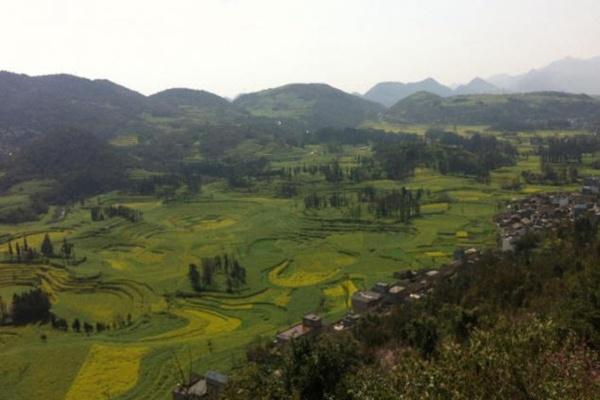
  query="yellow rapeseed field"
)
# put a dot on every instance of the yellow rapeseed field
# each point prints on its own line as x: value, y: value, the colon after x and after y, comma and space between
x: 107, y: 372
x: 215, y: 224
x: 309, y: 269
x: 436, y: 254
x: 338, y: 290
x: 200, y: 323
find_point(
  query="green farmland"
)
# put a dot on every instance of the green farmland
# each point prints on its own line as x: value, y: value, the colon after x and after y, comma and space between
x: 297, y: 261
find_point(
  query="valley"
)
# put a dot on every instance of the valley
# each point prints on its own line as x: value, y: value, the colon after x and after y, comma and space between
x: 135, y: 275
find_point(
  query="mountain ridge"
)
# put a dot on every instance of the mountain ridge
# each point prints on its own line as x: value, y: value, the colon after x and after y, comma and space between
x: 522, y: 110
x: 569, y: 75
x: 389, y: 93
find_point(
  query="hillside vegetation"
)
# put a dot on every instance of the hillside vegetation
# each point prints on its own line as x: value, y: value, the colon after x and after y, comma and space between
x: 35, y: 106
x: 523, y: 111
x: 316, y: 105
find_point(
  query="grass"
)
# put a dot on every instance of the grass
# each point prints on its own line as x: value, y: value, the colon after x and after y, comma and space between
x: 296, y: 262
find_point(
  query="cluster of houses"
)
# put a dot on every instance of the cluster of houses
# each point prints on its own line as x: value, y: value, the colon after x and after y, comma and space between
x: 546, y: 212
x: 407, y: 286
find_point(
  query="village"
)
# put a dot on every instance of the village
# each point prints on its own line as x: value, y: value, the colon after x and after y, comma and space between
x: 537, y: 213
x: 546, y: 212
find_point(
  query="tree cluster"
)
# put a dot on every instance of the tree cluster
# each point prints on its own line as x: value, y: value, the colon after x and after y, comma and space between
x: 213, y: 272
x: 22, y: 252
x: 101, y: 213
x: 28, y: 307
x: 447, y: 152
x: 403, y: 204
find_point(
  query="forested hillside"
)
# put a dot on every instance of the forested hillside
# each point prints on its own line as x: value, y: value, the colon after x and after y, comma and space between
x: 30, y: 106
x: 521, y: 111
x: 314, y: 105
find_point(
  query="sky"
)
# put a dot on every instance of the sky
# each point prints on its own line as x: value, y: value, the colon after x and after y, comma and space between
x: 239, y: 46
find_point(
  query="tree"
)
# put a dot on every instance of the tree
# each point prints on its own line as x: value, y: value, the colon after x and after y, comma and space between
x: 10, y: 250
x: 47, y: 247
x: 207, y: 272
x: 100, y: 327
x: 76, y: 325
x: 66, y: 249
x: 194, y: 277
x: 88, y: 328
x: 18, y: 249
x: 59, y: 323
x: 237, y: 274
x: 3, y: 311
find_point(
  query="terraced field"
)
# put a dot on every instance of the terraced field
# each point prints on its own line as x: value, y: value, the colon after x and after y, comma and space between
x: 296, y: 262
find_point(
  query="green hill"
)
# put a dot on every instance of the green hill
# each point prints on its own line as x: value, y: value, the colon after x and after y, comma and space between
x: 536, y: 109
x: 32, y: 105
x: 315, y: 105
x: 180, y: 97
x: 194, y: 105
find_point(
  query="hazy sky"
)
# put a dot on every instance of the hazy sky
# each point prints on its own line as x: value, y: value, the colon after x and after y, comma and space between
x: 233, y: 46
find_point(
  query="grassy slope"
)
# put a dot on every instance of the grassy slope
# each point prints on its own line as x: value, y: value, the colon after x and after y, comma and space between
x: 294, y: 261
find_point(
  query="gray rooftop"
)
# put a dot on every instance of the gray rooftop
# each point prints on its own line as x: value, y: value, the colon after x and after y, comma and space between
x: 216, y: 377
x: 367, y: 296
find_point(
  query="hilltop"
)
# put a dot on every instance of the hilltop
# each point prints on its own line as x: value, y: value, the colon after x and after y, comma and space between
x: 477, y: 86
x: 182, y: 97
x: 33, y: 105
x: 389, y: 93
x: 315, y: 105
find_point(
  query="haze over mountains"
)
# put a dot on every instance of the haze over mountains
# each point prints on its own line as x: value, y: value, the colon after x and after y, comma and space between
x: 569, y: 75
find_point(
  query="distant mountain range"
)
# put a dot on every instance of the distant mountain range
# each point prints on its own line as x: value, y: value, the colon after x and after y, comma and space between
x: 389, y: 93
x: 569, y: 75
x: 31, y: 106
x: 477, y: 86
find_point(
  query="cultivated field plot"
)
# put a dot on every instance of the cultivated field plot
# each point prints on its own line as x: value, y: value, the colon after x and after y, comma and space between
x: 135, y: 274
